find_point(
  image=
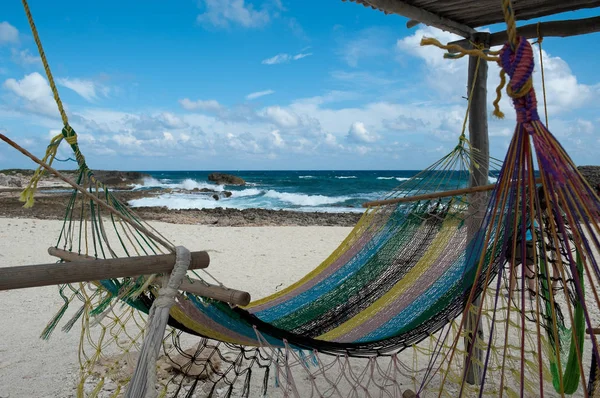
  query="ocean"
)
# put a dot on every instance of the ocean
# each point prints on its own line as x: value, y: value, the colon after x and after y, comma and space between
x: 320, y: 191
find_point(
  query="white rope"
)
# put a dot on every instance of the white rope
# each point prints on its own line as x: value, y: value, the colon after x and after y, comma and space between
x: 144, y: 378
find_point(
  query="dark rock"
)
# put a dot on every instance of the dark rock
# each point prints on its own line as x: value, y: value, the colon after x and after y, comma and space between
x: 227, y: 194
x: 215, y: 197
x: 591, y: 174
x: 120, y: 179
x: 226, y: 179
x: 204, y: 190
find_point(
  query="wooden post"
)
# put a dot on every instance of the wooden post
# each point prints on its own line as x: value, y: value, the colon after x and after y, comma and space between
x: 478, y: 136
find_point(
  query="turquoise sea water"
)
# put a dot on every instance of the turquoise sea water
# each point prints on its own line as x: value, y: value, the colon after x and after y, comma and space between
x: 299, y: 190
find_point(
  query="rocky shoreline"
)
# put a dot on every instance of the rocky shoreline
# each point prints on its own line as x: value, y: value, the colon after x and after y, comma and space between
x: 50, y: 204
x: 52, y: 207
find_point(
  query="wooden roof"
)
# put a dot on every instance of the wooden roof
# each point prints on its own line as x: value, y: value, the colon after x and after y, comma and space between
x: 463, y: 16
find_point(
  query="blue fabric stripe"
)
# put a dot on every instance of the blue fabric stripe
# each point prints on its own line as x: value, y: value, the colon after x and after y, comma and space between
x: 334, y: 280
x: 447, y: 281
x: 230, y: 323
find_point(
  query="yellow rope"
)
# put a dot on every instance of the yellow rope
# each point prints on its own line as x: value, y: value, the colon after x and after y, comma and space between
x: 479, y: 52
x: 497, y: 112
x: 511, y: 24
x: 28, y: 192
x: 38, y: 42
x: 460, y: 51
x: 68, y: 133
x: 511, y: 29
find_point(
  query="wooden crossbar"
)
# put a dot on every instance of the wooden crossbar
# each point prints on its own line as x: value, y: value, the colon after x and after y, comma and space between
x: 190, y: 285
x: 435, y: 195
x: 77, y: 269
x: 26, y: 276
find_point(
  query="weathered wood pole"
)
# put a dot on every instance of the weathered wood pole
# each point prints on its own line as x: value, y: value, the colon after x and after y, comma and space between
x: 478, y: 136
x: 26, y: 276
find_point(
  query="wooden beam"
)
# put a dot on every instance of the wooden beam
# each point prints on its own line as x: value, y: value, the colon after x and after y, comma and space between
x: 435, y: 195
x: 566, y: 28
x: 412, y: 23
x: 428, y: 18
x: 25, y: 276
x: 194, y: 286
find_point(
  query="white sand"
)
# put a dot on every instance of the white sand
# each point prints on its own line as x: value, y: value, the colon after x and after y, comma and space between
x: 259, y: 260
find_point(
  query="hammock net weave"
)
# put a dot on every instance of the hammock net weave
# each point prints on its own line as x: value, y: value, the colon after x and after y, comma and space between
x: 470, y: 293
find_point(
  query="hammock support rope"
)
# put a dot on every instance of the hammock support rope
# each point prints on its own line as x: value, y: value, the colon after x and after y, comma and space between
x: 405, y: 280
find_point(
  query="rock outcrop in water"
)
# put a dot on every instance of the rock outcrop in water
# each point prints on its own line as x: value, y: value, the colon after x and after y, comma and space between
x: 120, y: 179
x: 226, y: 179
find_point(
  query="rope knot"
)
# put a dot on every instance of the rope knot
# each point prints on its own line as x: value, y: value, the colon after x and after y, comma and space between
x: 518, y: 64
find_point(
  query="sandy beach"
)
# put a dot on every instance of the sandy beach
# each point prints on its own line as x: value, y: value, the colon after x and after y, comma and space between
x: 259, y: 251
x: 260, y: 260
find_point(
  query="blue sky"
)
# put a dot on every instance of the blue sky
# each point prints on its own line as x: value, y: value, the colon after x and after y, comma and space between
x: 253, y: 84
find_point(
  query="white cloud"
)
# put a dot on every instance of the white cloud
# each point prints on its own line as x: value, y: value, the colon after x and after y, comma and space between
x: 8, y: 33
x: 277, y: 59
x: 25, y: 57
x: 361, y: 150
x: 331, y: 140
x: 85, y: 88
x: 222, y: 13
x: 563, y: 91
x: 283, y: 58
x: 277, y: 140
x: 171, y: 121
x: 259, y: 94
x: 367, y: 43
x: 359, y: 133
x: 448, y: 77
x: 204, y: 105
x: 245, y: 143
x: 301, y: 55
x: 35, y: 92
x: 281, y: 117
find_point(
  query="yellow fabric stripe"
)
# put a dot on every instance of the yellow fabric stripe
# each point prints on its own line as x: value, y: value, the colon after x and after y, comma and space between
x: 356, y: 232
x: 436, y: 248
x: 191, y: 324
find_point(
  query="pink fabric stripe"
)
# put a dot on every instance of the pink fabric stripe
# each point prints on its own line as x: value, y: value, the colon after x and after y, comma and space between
x: 424, y: 282
x: 198, y: 316
x: 337, y: 264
